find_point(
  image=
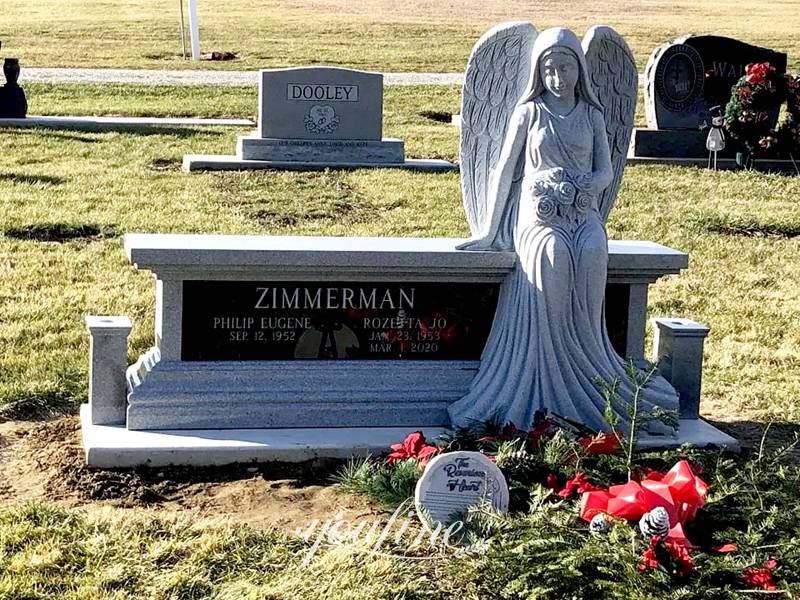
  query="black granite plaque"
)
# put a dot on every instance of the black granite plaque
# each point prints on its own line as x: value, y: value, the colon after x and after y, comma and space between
x: 278, y: 320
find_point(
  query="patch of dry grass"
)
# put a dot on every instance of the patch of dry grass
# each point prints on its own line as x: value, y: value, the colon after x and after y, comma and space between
x: 373, y: 34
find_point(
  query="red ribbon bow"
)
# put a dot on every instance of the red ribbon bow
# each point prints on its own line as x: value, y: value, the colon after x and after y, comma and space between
x: 679, y: 491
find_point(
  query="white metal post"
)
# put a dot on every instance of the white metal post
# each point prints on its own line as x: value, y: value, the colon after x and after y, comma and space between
x: 193, y: 30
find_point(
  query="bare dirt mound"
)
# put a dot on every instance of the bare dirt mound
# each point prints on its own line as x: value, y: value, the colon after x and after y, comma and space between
x: 45, y: 461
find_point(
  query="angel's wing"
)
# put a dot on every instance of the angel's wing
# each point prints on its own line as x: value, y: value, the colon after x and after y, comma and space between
x: 497, y: 74
x: 613, y: 74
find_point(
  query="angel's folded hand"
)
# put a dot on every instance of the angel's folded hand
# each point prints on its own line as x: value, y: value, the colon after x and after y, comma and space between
x: 476, y: 244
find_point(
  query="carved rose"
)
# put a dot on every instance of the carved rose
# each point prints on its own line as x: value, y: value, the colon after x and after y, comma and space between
x: 565, y: 192
x: 583, y: 201
x: 545, y: 209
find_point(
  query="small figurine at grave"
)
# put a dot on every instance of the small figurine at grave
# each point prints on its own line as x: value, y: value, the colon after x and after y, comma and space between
x: 715, y: 142
x: 13, y: 104
x: 546, y: 124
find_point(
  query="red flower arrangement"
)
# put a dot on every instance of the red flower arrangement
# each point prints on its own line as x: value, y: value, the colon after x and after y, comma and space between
x: 543, y: 428
x: 649, y: 559
x: 751, y: 113
x: 578, y: 484
x: 602, y: 443
x: 756, y: 73
x: 413, y: 447
x: 761, y: 577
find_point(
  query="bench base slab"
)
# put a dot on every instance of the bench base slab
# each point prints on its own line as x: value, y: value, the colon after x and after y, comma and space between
x: 117, y: 447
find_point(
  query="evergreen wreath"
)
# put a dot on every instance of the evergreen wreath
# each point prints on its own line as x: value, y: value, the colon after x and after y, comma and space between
x: 750, y: 113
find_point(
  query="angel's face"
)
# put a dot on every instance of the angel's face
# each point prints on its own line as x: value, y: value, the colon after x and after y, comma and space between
x: 559, y: 70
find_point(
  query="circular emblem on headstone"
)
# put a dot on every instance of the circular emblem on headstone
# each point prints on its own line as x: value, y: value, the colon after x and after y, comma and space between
x: 321, y: 118
x: 455, y: 481
x: 679, y: 76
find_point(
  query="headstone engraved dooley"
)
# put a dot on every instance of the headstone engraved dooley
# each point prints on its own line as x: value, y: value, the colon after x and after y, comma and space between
x: 316, y: 117
x: 456, y: 481
x: 322, y: 103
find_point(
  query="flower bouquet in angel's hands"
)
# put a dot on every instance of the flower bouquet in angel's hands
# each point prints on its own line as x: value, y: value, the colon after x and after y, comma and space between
x: 562, y: 197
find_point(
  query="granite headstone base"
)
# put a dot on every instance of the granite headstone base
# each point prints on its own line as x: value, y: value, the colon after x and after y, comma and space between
x: 115, y: 446
x: 327, y: 393
x: 672, y: 143
x: 687, y: 148
x: 385, y: 151
x: 223, y: 162
x: 256, y: 153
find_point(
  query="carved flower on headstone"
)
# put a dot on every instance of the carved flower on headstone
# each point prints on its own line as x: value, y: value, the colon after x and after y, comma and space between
x: 321, y: 119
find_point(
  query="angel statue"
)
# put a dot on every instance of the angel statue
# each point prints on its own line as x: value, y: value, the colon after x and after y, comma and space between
x: 545, y: 129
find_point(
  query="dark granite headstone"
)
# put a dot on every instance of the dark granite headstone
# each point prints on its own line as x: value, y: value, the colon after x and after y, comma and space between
x: 688, y: 76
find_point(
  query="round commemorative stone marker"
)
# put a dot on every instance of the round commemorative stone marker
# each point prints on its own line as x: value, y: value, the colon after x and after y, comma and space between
x: 454, y: 482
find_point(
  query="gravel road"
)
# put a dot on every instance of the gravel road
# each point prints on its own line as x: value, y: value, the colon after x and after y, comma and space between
x: 200, y: 77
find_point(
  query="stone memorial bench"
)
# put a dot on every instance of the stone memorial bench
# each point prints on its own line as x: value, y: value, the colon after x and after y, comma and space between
x: 239, y: 337
x: 195, y: 386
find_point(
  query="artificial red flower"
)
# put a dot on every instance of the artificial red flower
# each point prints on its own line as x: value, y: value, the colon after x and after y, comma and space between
x: 579, y: 483
x: 756, y: 73
x: 510, y: 431
x: 648, y: 559
x: 543, y: 428
x: 744, y: 93
x: 767, y: 142
x: 681, y: 554
x: 414, y: 447
x: 726, y: 548
x: 602, y: 443
x: 552, y: 482
x: 761, y: 577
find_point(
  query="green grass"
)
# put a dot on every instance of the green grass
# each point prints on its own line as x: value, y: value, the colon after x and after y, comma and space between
x: 737, y: 227
x: 372, y: 34
x: 49, y: 553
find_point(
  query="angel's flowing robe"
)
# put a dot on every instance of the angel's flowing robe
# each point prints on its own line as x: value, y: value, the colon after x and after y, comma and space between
x: 549, y: 345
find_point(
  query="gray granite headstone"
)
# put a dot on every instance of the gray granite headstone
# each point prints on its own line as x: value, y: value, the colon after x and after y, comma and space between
x: 320, y: 103
x: 315, y: 118
x: 324, y: 116
x: 456, y: 481
x: 691, y: 74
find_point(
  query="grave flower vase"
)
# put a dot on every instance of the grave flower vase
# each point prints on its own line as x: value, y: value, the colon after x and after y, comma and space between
x: 745, y: 160
x: 11, y: 71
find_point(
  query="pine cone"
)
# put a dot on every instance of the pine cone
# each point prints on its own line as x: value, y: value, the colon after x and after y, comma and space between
x: 599, y: 524
x: 656, y: 522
